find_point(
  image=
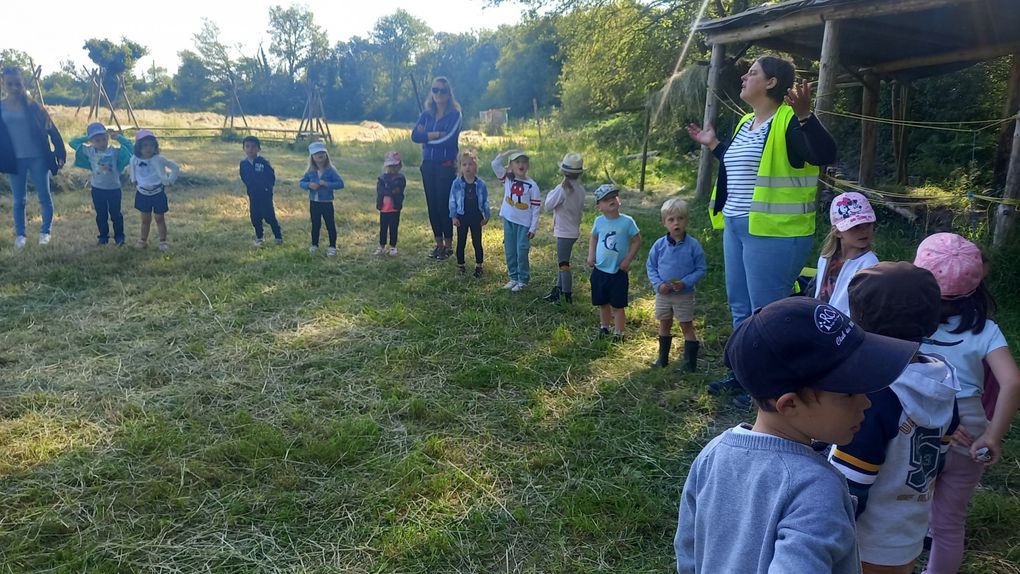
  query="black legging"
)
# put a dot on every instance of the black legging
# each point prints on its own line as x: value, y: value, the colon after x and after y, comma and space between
x: 388, y: 222
x: 322, y: 210
x: 436, y: 178
x: 475, y: 227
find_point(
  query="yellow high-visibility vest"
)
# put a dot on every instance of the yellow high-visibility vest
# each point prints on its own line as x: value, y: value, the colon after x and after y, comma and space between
x: 783, y: 204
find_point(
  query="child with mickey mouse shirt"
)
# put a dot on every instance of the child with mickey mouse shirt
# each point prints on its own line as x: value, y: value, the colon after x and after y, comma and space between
x: 519, y: 209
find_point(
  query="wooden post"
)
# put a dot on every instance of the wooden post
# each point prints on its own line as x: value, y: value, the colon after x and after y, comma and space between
x: 644, y: 142
x: 538, y: 123
x: 900, y: 109
x: 828, y: 68
x: 1002, y: 151
x: 704, y: 186
x: 869, y: 108
x: 1005, y: 215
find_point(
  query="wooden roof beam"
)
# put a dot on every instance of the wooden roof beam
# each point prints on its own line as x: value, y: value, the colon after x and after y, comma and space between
x: 816, y: 17
x: 980, y: 53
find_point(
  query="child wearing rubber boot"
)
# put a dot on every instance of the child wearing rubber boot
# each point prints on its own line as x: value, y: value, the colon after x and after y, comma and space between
x: 675, y: 263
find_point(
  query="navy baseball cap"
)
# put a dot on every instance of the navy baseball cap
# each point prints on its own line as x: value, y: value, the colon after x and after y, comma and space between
x: 801, y: 342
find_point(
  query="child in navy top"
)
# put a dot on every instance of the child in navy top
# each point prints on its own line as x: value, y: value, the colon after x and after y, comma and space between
x: 321, y: 180
x: 106, y: 163
x: 259, y: 178
x: 675, y: 263
x: 389, y: 200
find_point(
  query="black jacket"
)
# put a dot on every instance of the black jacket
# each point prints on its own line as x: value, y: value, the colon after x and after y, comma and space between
x: 45, y: 133
x: 258, y: 176
x: 393, y: 185
x: 807, y: 143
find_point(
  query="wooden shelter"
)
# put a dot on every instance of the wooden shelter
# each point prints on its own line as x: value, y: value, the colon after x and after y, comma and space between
x: 867, y: 42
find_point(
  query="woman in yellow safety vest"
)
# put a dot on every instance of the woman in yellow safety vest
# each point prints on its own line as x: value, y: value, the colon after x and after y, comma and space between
x: 764, y: 199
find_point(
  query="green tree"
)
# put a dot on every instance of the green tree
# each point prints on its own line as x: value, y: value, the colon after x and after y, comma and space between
x: 467, y: 59
x: 296, y: 38
x: 398, y: 38
x: 193, y: 88
x: 114, y: 60
x: 528, y: 67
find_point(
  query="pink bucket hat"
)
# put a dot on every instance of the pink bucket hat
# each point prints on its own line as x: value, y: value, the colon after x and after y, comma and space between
x: 142, y: 134
x: 849, y: 210
x: 391, y: 158
x: 954, y: 261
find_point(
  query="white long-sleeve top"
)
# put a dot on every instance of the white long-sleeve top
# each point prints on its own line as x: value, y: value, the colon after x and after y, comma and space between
x: 149, y: 175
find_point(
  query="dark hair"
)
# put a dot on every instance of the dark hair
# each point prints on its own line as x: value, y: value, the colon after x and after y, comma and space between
x: 252, y: 139
x: 780, y: 69
x: 138, y: 145
x: 16, y: 71
x: 974, y: 310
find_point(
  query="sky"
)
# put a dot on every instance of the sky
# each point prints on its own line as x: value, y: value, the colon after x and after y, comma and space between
x: 59, y: 31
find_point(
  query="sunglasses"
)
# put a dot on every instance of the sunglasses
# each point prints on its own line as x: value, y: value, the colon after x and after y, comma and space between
x: 440, y: 90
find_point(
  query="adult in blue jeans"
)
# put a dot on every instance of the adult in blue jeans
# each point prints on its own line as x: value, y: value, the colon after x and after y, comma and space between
x: 26, y: 133
x: 438, y: 132
x: 764, y: 199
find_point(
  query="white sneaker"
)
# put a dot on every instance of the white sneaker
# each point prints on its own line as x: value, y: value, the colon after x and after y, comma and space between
x: 164, y: 246
x: 378, y: 250
x: 393, y: 250
x: 518, y: 287
x: 44, y: 239
x: 19, y: 242
x: 313, y: 248
x: 510, y: 284
x: 331, y: 252
x: 259, y: 242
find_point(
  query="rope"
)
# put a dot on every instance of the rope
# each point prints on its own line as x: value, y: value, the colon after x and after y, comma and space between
x: 938, y: 126
x: 1000, y: 200
x: 836, y: 184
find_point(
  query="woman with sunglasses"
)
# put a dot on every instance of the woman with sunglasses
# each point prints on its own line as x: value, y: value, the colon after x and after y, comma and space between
x: 26, y: 133
x: 437, y: 130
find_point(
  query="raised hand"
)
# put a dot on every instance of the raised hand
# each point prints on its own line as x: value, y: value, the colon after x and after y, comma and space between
x: 705, y: 137
x: 799, y: 98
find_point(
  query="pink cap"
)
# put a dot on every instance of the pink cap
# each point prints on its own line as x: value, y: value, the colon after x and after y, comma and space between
x: 391, y: 158
x: 954, y: 261
x: 142, y: 134
x: 849, y: 210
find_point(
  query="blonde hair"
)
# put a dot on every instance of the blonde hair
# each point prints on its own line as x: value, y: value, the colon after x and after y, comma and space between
x: 430, y: 100
x: 311, y: 162
x: 832, y: 244
x: 676, y: 206
x: 466, y: 154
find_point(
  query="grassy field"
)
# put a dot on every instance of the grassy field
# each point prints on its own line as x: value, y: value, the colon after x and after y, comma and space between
x: 227, y: 409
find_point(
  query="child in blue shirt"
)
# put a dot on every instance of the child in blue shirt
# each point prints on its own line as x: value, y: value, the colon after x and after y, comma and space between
x: 615, y: 240
x: 675, y: 263
x: 321, y: 180
x: 259, y: 178
x: 106, y: 163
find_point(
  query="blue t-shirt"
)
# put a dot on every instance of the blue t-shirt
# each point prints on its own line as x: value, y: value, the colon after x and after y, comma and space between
x: 613, y: 241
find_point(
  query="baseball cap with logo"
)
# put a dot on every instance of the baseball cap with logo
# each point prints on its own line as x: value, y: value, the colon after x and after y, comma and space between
x: 849, y: 210
x: 800, y: 342
x: 954, y: 261
x: 605, y: 190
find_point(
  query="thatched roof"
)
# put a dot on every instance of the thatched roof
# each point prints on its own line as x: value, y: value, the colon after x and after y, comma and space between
x: 906, y: 39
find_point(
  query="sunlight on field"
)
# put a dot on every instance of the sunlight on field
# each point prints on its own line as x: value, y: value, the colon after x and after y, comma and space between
x: 36, y: 438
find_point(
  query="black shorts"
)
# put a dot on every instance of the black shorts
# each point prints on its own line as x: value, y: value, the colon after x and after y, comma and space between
x: 151, y: 203
x: 609, y: 288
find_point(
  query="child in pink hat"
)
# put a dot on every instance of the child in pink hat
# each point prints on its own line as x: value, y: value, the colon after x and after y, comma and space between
x: 847, y: 248
x: 968, y: 338
x: 389, y: 200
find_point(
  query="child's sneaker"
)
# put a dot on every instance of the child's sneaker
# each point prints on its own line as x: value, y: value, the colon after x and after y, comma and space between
x: 478, y: 272
x: 435, y: 253
x: 461, y: 270
x: 259, y: 242
x: 331, y: 252
x: 393, y: 251
x: 44, y: 239
x: 279, y: 240
x: 313, y: 248
x: 141, y: 244
x: 510, y: 284
x: 603, y: 332
x: 378, y: 250
x: 119, y: 242
x: 19, y: 242
x: 164, y: 246
x: 518, y: 287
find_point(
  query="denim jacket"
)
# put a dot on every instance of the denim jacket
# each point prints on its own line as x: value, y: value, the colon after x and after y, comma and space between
x: 325, y: 193
x: 457, y: 197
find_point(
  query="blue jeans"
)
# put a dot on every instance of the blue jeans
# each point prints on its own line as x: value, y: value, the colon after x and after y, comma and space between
x: 37, y: 168
x: 516, y: 245
x: 107, y: 204
x: 759, y: 270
